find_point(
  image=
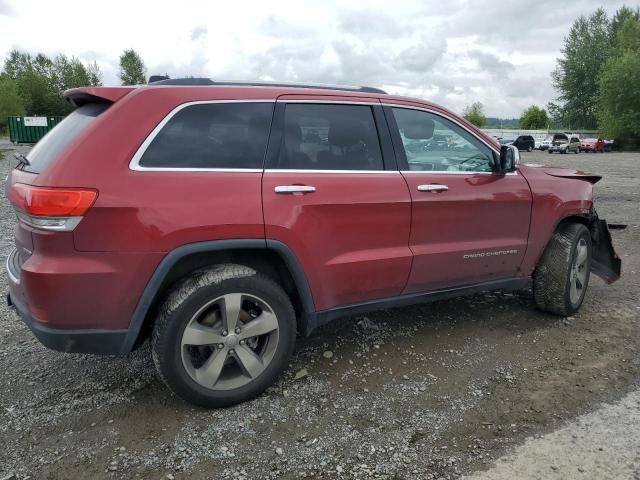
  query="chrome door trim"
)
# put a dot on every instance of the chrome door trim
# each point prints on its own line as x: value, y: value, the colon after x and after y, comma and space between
x: 134, y: 164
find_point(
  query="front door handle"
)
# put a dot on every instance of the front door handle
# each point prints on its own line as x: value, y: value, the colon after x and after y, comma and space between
x: 295, y: 189
x: 432, y: 187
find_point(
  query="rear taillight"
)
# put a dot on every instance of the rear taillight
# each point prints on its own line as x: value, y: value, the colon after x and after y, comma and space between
x: 51, y: 208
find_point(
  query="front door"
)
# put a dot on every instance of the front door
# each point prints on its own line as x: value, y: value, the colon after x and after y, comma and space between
x: 328, y: 197
x: 468, y: 225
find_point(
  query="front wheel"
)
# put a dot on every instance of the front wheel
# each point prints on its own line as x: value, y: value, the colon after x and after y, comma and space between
x: 529, y: 149
x: 223, y: 336
x: 561, y: 278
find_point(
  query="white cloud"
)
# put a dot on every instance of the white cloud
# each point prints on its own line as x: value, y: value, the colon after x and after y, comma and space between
x: 454, y: 52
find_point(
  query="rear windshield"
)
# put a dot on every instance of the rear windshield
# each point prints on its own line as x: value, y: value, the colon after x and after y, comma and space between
x: 57, y: 139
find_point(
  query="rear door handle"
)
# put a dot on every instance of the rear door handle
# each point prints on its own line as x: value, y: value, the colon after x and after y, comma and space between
x: 432, y: 187
x: 295, y: 189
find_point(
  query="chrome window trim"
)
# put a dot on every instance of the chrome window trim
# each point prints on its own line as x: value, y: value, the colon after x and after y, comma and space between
x: 302, y: 170
x: 134, y: 164
x: 443, y: 115
x: 329, y: 102
x: 453, y: 172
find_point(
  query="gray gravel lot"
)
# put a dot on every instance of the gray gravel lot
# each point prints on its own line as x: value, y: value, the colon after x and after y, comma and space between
x: 432, y: 391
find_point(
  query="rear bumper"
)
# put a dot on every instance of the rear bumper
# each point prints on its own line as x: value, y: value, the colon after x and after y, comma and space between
x: 80, y: 303
x: 102, y: 342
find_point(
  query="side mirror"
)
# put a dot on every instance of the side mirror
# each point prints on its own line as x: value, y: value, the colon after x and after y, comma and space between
x: 509, y: 159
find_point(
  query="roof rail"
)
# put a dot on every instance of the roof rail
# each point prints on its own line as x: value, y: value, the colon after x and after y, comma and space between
x: 208, y: 81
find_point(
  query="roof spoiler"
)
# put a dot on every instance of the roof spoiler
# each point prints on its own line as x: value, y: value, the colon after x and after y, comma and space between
x: 83, y: 95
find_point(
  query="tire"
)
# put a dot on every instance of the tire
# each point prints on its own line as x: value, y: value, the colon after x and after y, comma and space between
x: 549, y: 152
x: 577, y: 151
x: 529, y: 149
x: 223, y: 368
x: 559, y: 271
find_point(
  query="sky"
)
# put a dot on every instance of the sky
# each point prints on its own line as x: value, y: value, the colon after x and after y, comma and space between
x: 452, y: 52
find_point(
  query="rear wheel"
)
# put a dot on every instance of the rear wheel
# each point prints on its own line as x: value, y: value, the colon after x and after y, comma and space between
x: 561, y: 278
x: 223, y: 336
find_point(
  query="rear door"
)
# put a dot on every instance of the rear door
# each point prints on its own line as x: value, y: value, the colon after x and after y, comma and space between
x: 333, y: 194
x: 468, y: 224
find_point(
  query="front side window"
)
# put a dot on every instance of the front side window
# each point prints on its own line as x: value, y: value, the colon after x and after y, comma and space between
x: 329, y: 137
x: 433, y: 143
x: 212, y: 135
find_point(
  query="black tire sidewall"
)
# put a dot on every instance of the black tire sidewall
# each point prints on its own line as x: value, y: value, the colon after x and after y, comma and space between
x: 573, y: 307
x: 169, y: 346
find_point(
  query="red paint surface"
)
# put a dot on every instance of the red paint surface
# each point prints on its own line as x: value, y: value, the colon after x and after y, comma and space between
x: 358, y: 237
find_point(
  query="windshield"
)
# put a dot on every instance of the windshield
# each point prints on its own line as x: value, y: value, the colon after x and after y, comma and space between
x: 57, y: 139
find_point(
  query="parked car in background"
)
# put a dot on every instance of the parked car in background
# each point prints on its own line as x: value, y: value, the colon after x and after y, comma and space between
x: 592, y: 145
x: 564, y: 144
x: 546, y: 143
x: 304, y: 204
x: 524, y: 142
x: 610, y: 145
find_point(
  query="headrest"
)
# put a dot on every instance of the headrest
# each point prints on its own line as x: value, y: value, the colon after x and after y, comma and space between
x: 418, y: 128
x: 345, y: 134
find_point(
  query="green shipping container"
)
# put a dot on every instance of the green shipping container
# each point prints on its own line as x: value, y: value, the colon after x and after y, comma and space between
x: 30, y: 129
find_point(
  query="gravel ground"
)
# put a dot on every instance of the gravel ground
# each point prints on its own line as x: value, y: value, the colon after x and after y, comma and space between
x: 601, y: 445
x: 431, y: 391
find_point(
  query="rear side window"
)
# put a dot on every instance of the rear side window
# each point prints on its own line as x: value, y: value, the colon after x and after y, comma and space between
x: 48, y: 148
x: 329, y: 137
x: 212, y: 135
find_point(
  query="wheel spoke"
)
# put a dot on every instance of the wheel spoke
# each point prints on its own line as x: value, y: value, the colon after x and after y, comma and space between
x: 573, y: 290
x: 249, y: 361
x: 198, y: 334
x: 266, y: 322
x: 581, y: 256
x: 209, y: 373
x: 232, y: 308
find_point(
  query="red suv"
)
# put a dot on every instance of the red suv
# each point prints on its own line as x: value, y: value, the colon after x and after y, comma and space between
x: 220, y: 219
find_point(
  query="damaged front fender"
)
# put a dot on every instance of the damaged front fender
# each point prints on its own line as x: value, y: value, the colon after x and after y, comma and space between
x: 605, y: 262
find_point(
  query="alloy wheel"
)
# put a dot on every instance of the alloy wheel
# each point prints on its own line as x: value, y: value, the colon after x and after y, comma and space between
x: 578, y: 273
x: 229, y: 341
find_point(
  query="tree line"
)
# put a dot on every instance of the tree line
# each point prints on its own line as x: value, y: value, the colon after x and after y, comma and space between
x: 597, y: 78
x: 33, y: 84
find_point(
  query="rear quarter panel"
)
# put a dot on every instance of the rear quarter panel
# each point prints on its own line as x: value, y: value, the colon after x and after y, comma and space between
x: 154, y: 211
